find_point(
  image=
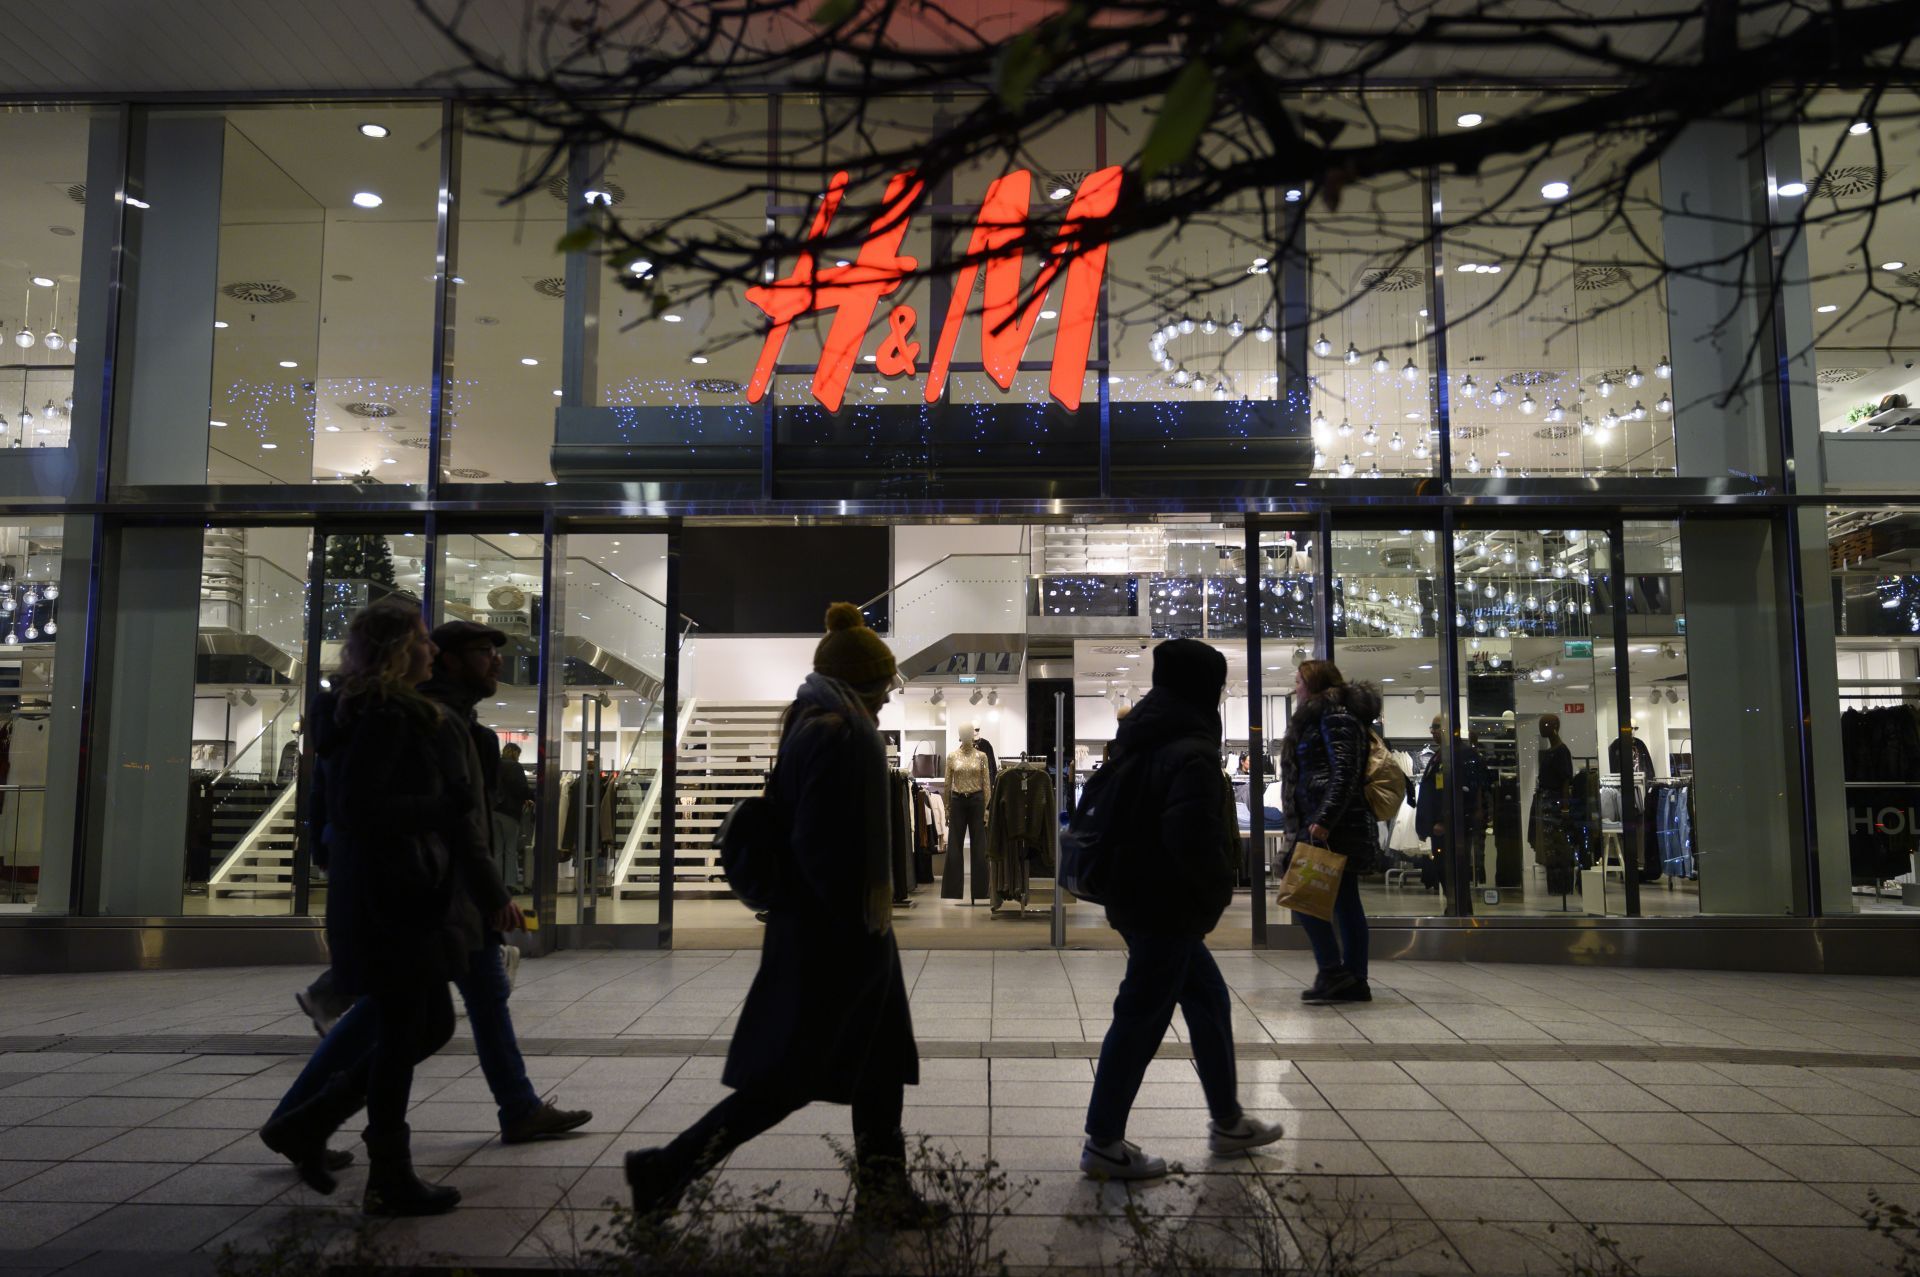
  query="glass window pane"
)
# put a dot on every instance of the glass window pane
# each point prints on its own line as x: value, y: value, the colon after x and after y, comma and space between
x: 284, y: 296
x: 44, y: 153
x: 1556, y: 311
x: 30, y: 581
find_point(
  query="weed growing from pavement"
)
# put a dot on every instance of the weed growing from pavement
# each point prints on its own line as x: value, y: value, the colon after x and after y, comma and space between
x: 1899, y: 1225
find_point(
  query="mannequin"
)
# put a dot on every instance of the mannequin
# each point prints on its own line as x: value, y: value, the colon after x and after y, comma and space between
x: 1633, y: 818
x: 969, y: 790
x: 1551, y: 793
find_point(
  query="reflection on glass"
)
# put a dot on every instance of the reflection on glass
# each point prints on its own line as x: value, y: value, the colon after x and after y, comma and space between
x: 45, y: 153
x: 30, y: 614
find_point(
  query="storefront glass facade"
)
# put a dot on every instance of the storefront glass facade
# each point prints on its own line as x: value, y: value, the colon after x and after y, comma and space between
x: 288, y: 358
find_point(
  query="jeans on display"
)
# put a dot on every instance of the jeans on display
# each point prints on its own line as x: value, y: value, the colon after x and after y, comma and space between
x: 877, y: 1109
x: 1164, y: 972
x: 966, y: 827
x: 484, y: 989
x: 1347, y: 949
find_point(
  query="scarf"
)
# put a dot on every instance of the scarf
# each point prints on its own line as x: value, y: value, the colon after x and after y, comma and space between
x: 870, y: 802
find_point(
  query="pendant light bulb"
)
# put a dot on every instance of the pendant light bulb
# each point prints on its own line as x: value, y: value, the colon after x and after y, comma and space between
x: 1664, y: 403
x: 1186, y: 324
x: 1353, y: 353
x: 1263, y: 334
x: 1323, y: 347
x: 1664, y: 369
x: 53, y: 592
x: 1396, y: 443
x: 1346, y: 467
x: 1319, y: 459
x: 1236, y: 328
x: 1528, y: 405
x: 1473, y: 463
x: 1586, y: 427
x: 1498, y: 396
x: 1380, y: 363
x: 24, y: 338
x: 1556, y: 412
x: 1609, y: 420
x: 53, y: 339
x: 1373, y: 471
x: 1635, y: 377
x: 1410, y: 372
x: 1181, y: 376
x: 1207, y: 325
x: 53, y: 628
x: 1606, y: 387
x: 1560, y: 571
x: 1506, y: 552
x: 1220, y: 390
x: 1371, y: 435
x: 26, y: 419
x: 1639, y: 412
x: 3, y: 423
x: 1467, y: 386
x: 1319, y: 420
x: 1346, y: 428
x: 1420, y: 449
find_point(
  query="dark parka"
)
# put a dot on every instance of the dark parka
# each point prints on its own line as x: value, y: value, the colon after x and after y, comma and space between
x: 829, y: 1003
x: 1323, y: 772
x: 392, y: 822
x: 479, y: 871
x: 1182, y: 872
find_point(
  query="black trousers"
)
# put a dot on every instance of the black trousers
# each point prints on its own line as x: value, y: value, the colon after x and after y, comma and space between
x: 412, y: 1023
x: 966, y: 827
x: 879, y: 1145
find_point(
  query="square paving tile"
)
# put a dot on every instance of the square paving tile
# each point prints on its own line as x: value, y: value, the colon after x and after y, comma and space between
x: 1760, y: 1204
x: 140, y: 1227
x: 110, y: 1182
x: 1500, y: 1199
x: 1619, y: 1201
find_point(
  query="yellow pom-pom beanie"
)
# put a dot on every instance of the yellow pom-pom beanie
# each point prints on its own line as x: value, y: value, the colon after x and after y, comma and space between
x: 851, y: 651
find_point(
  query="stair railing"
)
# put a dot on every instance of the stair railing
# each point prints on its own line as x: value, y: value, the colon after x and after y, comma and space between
x: 636, y: 836
x: 250, y: 842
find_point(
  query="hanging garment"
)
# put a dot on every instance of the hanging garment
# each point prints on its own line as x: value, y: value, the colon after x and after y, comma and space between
x: 900, y: 837
x: 1020, y: 837
x: 1880, y: 744
x: 1509, y: 867
x: 922, y: 835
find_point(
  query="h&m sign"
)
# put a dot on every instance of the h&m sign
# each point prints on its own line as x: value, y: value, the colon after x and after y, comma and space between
x: 853, y: 291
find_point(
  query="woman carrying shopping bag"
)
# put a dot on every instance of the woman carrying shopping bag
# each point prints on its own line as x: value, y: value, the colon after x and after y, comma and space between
x: 1323, y: 771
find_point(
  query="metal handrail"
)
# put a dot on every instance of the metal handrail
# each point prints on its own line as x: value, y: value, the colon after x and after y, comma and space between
x: 897, y: 586
x: 257, y: 736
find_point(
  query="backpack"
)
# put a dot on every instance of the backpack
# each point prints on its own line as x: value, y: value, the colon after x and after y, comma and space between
x: 1095, y: 845
x: 752, y: 842
x: 1386, y: 784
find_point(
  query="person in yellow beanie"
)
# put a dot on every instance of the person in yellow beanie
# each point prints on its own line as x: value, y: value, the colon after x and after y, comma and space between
x: 826, y: 1018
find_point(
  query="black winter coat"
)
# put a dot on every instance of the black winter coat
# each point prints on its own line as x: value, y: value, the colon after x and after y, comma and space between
x: 391, y: 821
x: 1182, y: 870
x: 1323, y: 772
x: 479, y: 872
x: 829, y: 1003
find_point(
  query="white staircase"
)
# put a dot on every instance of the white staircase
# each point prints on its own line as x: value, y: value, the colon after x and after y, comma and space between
x: 260, y: 866
x: 726, y: 750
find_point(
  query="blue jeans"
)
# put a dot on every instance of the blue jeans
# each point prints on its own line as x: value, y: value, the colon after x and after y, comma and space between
x: 1164, y: 972
x: 1348, y: 949
x: 484, y: 989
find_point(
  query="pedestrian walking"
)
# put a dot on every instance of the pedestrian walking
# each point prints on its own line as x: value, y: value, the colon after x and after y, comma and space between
x: 398, y: 810
x: 1176, y: 882
x: 826, y: 1018
x: 1323, y: 775
x: 512, y: 801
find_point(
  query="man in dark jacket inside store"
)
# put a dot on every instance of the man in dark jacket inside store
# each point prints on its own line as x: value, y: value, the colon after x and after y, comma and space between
x: 467, y: 671
x: 1172, y: 885
x: 1430, y: 814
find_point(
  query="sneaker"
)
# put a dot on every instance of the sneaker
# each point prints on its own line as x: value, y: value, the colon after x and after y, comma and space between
x: 510, y: 960
x: 1248, y: 1132
x: 1119, y: 1159
x: 543, y: 1123
x: 1346, y: 987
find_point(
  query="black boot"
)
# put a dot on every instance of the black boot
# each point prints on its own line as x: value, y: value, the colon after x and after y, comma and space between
x: 300, y: 1135
x: 884, y: 1198
x: 657, y: 1181
x: 392, y: 1187
x: 1316, y: 993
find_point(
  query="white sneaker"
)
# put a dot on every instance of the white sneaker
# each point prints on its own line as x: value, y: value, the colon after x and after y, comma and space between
x: 1248, y: 1132
x: 510, y: 957
x: 1120, y: 1159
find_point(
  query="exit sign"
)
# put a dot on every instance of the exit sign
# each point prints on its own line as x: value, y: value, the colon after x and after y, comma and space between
x: 1577, y: 649
x: 1574, y: 707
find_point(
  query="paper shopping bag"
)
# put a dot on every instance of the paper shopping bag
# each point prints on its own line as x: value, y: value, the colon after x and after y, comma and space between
x: 1312, y: 880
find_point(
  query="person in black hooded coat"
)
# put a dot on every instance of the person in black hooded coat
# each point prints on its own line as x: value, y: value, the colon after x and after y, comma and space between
x: 1175, y: 882
x: 1323, y: 773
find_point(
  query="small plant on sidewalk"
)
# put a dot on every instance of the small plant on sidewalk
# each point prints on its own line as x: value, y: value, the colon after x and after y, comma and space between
x: 1898, y: 1225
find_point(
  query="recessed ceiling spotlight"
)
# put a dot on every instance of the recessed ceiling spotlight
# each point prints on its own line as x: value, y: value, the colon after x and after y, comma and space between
x: 390, y: 461
x: 641, y: 267
x: 597, y: 197
x: 557, y: 394
x: 371, y: 129
x: 43, y: 281
x: 1893, y: 265
x: 219, y: 323
x: 333, y: 430
x: 1049, y: 314
x: 367, y: 199
x: 1058, y: 193
x: 1471, y: 119
x: 289, y: 363
x: 697, y: 359
x: 1793, y: 190
x: 268, y: 447
x: 1555, y: 191
x: 137, y: 203
x: 220, y: 424
x: 1827, y: 309
x: 1859, y: 127
x: 671, y: 318
x: 530, y: 361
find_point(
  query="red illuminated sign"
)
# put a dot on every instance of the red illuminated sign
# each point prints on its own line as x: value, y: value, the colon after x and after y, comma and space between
x: 1574, y: 707
x: 854, y: 291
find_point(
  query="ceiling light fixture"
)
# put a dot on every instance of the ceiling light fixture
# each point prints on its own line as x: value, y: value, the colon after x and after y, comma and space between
x: 367, y: 199
x: 1859, y: 128
x: 43, y: 281
x: 530, y: 361
x: 289, y: 363
x: 1793, y: 190
x: 1827, y: 309
x: 1470, y: 119
x: 1555, y: 191
x: 371, y: 129
x: 1894, y: 265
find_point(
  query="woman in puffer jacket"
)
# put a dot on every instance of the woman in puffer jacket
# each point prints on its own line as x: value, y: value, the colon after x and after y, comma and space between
x: 1323, y: 773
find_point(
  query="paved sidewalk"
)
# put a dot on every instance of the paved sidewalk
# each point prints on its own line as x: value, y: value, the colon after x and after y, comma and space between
x: 1710, y: 1122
